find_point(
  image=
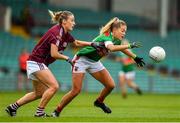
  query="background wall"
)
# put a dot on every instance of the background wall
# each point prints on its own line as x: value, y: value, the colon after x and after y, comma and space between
x: 90, y: 4
x: 144, y: 8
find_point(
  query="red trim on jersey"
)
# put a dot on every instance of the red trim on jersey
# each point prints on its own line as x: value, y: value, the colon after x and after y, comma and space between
x: 107, y: 33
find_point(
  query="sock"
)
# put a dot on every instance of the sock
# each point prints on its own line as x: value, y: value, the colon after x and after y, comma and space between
x: 14, y: 106
x: 40, y: 111
x: 58, y: 109
x: 100, y: 99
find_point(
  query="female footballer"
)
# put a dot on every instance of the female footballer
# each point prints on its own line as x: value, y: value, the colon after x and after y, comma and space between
x: 87, y: 59
x: 127, y: 74
x: 50, y: 47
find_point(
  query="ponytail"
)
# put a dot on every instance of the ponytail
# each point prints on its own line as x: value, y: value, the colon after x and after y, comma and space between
x: 58, y: 17
x: 113, y: 23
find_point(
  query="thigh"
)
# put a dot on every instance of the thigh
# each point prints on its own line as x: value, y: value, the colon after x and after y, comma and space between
x: 46, y: 77
x: 77, y: 79
x: 104, y: 77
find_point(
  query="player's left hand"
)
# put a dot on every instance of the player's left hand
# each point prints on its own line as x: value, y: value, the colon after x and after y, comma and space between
x: 139, y: 61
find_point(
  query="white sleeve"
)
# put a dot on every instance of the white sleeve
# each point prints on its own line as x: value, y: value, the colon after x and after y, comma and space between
x: 107, y: 43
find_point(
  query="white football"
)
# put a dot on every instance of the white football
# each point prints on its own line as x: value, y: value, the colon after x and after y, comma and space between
x: 157, y: 53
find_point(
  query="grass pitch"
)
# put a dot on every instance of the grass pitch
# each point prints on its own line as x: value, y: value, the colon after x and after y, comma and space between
x: 145, y: 108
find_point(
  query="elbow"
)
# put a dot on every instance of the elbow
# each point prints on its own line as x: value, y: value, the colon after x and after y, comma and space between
x: 53, y: 55
x: 111, y: 49
x: 76, y: 43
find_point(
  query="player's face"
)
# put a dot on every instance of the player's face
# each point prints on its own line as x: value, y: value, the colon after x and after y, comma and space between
x: 69, y: 23
x: 120, y: 33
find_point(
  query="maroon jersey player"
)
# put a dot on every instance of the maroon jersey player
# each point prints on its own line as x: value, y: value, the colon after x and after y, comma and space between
x: 49, y: 48
x: 55, y: 36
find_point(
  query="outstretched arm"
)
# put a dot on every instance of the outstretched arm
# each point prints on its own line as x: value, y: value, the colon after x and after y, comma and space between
x: 129, y: 53
x: 96, y: 45
x: 114, y: 48
x: 139, y: 61
x: 79, y: 43
x: 109, y: 45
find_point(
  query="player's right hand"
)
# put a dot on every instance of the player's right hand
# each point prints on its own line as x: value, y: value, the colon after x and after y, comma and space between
x: 135, y: 45
x: 139, y: 61
x: 70, y: 61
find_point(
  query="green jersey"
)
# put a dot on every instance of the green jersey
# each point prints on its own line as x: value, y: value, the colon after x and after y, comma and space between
x: 92, y: 53
x: 128, y: 63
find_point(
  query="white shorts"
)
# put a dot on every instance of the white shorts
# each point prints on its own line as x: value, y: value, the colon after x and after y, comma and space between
x: 83, y: 64
x: 128, y: 75
x: 32, y: 67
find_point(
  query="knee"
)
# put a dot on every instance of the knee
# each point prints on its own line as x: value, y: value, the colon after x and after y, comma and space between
x: 111, y: 86
x: 55, y: 87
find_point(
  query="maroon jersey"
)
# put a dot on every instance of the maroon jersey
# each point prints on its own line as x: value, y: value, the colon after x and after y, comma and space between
x: 55, y: 35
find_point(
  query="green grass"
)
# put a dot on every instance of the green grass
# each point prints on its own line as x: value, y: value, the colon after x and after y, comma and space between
x: 148, y: 107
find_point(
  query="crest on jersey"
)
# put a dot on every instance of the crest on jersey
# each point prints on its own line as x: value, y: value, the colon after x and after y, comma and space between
x: 64, y: 44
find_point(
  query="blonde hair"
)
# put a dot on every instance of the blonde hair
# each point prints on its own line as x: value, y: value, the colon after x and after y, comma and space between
x: 113, y: 23
x: 58, y: 17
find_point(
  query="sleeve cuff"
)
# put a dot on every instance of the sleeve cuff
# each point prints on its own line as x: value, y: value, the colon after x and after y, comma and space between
x: 107, y: 43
